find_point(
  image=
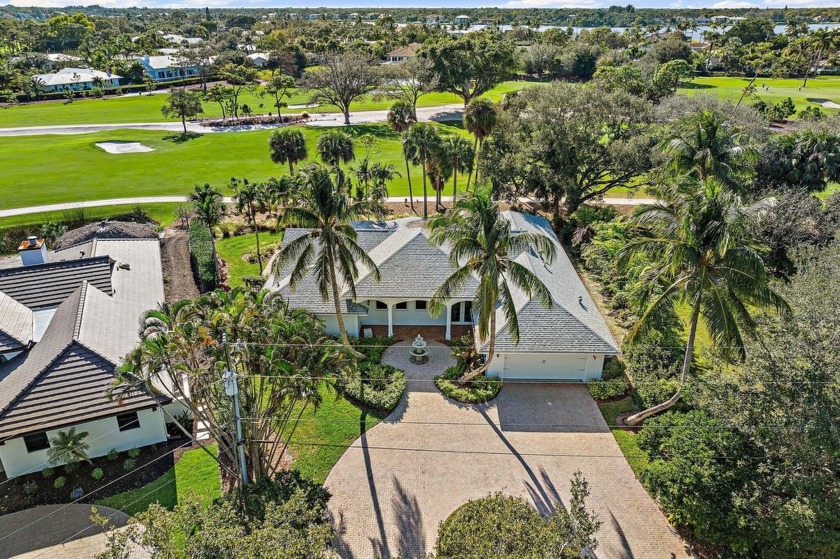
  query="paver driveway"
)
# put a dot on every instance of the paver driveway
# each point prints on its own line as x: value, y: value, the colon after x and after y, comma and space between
x: 395, y: 484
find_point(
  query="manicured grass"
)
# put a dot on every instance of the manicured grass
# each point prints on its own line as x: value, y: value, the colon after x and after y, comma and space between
x: 195, y: 473
x: 232, y: 249
x: 636, y: 457
x: 322, y: 435
x: 822, y: 88
x: 36, y: 170
x: 164, y: 214
x: 146, y: 108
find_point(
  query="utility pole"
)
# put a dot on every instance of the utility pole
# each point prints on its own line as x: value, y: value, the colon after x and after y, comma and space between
x: 232, y: 389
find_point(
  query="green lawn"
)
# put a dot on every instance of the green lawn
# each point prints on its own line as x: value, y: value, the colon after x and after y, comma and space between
x: 36, y: 170
x: 626, y: 440
x: 324, y: 434
x: 146, y: 108
x: 195, y: 473
x: 232, y: 249
x: 164, y: 214
x: 822, y: 88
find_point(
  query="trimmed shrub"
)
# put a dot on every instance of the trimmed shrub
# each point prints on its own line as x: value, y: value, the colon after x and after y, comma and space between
x: 60, y: 482
x: 30, y: 487
x: 383, y: 387
x: 373, y: 348
x: 608, y: 389
x: 203, y: 256
x: 113, y: 454
x: 97, y: 474
x: 48, y: 472
x: 477, y: 391
x: 614, y: 368
x: 129, y: 464
x: 134, y: 452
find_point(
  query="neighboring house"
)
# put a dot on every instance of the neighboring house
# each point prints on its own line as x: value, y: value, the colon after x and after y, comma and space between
x: 461, y: 20
x: 567, y: 341
x: 58, y: 58
x: 75, y: 79
x: 400, y: 54
x: 259, y: 58
x: 67, y: 319
x: 181, y: 40
x: 165, y: 67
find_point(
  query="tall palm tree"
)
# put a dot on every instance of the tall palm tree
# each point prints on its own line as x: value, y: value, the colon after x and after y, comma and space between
x: 479, y: 120
x: 461, y: 158
x: 420, y: 142
x: 246, y: 194
x: 698, y: 242
x: 288, y: 145
x: 330, y: 246
x: 209, y: 205
x: 482, y: 245
x: 439, y: 168
x: 400, y: 118
x: 380, y: 175
x: 704, y: 146
x: 335, y: 147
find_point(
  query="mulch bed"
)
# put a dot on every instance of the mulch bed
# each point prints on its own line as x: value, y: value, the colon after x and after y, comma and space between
x: 14, y: 498
x: 177, y: 270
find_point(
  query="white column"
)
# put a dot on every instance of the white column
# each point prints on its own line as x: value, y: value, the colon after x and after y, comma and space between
x: 390, y: 319
x: 449, y: 322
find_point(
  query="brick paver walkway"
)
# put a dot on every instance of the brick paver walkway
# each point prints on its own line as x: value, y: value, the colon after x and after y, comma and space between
x: 393, y: 486
x: 40, y: 531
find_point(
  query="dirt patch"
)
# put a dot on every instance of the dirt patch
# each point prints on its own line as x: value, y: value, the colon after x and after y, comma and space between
x: 179, y: 282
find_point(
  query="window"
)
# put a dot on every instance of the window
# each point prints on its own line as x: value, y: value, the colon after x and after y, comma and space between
x: 380, y: 306
x: 420, y: 305
x: 128, y: 421
x: 402, y: 306
x: 467, y: 311
x: 455, y: 313
x: 36, y: 442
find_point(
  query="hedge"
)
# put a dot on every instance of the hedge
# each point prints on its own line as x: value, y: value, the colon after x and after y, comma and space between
x: 479, y: 390
x: 383, y: 387
x: 608, y: 389
x: 203, y: 256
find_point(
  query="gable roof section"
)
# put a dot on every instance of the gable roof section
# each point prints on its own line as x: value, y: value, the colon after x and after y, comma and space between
x: 62, y: 381
x: 15, y: 324
x: 47, y: 285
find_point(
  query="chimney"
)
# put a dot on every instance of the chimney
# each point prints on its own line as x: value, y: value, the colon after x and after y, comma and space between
x: 33, y: 251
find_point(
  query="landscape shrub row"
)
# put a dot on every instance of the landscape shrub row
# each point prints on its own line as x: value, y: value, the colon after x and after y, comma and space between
x: 476, y: 391
x: 608, y: 389
x: 376, y: 386
x: 203, y: 256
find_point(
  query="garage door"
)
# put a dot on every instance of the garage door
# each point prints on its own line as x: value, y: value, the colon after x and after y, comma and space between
x: 545, y: 367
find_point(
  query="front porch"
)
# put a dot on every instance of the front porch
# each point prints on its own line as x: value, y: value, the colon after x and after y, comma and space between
x: 429, y: 332
x: 405, y: 318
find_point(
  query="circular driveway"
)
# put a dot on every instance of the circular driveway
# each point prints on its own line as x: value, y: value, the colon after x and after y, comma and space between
x: 396, y: 483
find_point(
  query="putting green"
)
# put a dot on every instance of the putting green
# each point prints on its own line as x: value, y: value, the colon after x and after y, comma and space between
x: 817, y: 91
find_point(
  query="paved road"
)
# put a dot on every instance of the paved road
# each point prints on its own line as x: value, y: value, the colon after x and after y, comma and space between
x: 179, y: 199
x: 394, y: 485
x: 425, y: 114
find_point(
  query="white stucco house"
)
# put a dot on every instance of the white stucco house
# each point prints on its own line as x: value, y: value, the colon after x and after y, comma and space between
x: 67, y: 319
x: 76, y: 79
x: 165, y: 67
x: 568, y: 341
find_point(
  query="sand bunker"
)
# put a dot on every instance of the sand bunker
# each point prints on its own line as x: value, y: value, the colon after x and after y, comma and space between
x: 826, y: 103
x: 124, y: 147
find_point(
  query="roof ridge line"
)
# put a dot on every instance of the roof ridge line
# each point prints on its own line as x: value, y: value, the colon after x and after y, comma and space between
x: 77, y: 325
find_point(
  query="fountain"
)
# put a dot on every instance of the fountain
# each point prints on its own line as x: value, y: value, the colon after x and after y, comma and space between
x: 418, y: 352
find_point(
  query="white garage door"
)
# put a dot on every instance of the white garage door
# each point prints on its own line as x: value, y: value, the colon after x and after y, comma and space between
x: 544, y: 367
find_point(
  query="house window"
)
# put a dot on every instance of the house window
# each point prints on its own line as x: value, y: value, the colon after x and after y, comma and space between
x: 380, y: 306
x: 36, y: 442
x: 128, y: 421
x: 455, y: 313
x: 420, y: 305
x: 402, y: 306
x: 467, y: 311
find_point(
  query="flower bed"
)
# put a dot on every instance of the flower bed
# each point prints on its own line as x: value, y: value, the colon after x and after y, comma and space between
x: 376, y: 386
x: 476, y: 391
x: 253, y: 120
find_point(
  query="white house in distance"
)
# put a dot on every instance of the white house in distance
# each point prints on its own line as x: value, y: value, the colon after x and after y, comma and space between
x: 567, y: 341
x: 67, y: 319
x: 259, y: 58
x: 461, y: 20
x: 166, y: 68
x: 76, y: 79
x: 401, y: 54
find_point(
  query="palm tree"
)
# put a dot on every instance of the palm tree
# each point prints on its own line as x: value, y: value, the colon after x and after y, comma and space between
x: 330, y: 247
x: 704, y: 146
x: 400, y: 118
x: 246, y: 194
x: 209, y: 206
x: 335, y: 147
x: 419, y: 143
x: 482, y: 245
x: 479, y: 120
x: 288, y: 145
x: 439, y: 169
x: 697, y: 240
x: 68, y: 447
x: 461, y: 158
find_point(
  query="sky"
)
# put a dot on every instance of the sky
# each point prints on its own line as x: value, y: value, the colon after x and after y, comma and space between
x: 433, y: 3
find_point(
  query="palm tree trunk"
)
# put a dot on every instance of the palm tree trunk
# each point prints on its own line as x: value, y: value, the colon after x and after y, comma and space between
x: 342, y: 330
x: 490, y: 350
x: 454, y: 187
x: 291, y: 167
x: 425, y: 193
x: 257, y: 235
x: 636, y: 419
x: 475, y: 151
x: 744, y: 93
x: 410, y: 193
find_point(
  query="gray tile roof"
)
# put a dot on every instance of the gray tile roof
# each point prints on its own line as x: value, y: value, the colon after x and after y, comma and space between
x: 15, y: 324
x: 104, y: 230
x: 47, y: 285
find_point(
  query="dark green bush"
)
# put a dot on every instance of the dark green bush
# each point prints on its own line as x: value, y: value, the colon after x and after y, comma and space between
x: 256, y: 497
x: 373, y: 348
x: 614, y: 368
x: 383, y: 386
x: 477, y: 391
x: 203, y: 256
x: 608, y: 389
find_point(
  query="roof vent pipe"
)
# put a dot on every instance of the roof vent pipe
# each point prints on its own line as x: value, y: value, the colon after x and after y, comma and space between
x: 33, y: 240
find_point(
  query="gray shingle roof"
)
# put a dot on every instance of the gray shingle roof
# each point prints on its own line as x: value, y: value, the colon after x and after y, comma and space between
x: 47, y: 285
x: 15, y: 324
x: 104, y: 230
